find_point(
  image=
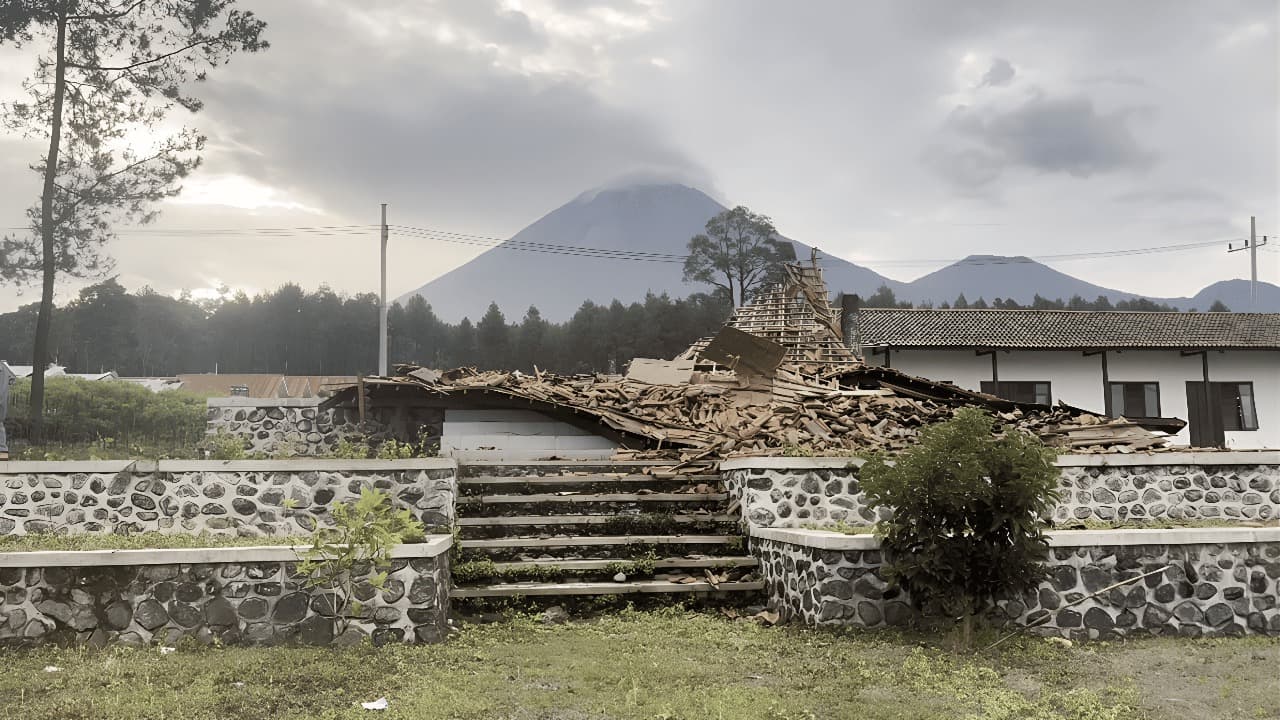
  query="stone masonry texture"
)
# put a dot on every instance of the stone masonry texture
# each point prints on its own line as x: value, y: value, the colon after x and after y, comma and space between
x: 1209, y: 590
x: 311, y: 431
x: 264, y: 603
x: 815, y: 497
x: 231, y: 502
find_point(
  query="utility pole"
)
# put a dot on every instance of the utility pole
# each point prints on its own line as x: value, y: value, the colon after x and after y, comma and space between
x: 1252, y: 246
x: 382, y: 304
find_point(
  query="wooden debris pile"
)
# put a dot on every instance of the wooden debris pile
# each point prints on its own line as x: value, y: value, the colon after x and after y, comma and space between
x: 718, y: 415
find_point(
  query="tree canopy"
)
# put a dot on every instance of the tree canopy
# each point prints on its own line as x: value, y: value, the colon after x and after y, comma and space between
x: 106, y: 70
x: 739, y: 252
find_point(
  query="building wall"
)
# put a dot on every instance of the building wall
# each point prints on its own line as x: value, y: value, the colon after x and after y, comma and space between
x: 1077, y: 379
x: 503, y: 434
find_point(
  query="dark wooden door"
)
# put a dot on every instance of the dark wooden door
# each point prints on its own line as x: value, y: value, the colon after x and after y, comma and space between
x: 1204, y: 416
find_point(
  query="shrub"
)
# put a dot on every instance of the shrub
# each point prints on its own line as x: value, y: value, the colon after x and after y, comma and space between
x: 968, y: 514
x: 363, y: 534
x: 87, y: 411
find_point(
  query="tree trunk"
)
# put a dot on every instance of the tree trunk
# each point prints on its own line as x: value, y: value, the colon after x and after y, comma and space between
x: 44, y: 319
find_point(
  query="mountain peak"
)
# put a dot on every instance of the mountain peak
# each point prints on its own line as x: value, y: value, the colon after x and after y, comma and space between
x: 988, y: 259
x: 640, y: 184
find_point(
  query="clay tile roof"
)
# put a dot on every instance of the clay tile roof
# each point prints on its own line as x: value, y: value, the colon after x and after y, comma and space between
x: 1067, y: 329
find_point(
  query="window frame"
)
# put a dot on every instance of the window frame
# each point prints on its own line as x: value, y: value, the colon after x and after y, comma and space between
x: 1117, y: 412
x: 992, y: 387
x: 1244, y: 423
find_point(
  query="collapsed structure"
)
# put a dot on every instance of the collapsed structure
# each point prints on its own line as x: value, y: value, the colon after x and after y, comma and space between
x: 776, y: 380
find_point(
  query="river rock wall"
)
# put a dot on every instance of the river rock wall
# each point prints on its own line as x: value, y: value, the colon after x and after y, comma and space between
x: 234, y: 603
x: 246, y: 498
x: 1206, y: 588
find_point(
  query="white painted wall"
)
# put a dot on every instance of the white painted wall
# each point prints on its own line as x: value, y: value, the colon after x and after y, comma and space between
x: 1077, y: 379
x: 517, y: 435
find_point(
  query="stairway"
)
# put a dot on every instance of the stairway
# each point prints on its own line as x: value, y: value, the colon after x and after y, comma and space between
x: 592, y: 533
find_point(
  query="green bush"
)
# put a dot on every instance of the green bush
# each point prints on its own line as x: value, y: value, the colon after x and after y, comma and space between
x: 363, y: 534
x: 969, y: 511
x: 87, y: 411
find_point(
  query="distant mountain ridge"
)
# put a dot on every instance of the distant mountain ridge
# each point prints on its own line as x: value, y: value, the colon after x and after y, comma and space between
x: 659, y: 218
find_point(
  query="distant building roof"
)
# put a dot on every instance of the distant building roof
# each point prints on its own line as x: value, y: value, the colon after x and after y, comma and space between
x: 255, y: 385
x: 25, y: 371
x: 155, y: 384
x: 1065, y: 329
x: 263, y: 385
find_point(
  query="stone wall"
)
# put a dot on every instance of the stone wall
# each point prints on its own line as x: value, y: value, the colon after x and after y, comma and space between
x: 298, y: 427
x: 251, y: 596
x: 1221, y: 581
x: 800, y: 492
x: 247, y: 498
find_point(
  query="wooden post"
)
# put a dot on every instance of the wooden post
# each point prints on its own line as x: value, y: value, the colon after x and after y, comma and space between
x: 360, y: 396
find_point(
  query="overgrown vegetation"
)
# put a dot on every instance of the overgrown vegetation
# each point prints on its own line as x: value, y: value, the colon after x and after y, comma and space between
x: 111, y: 415
x: 969, y: 514
x: 651, y: 665
x: 362, y: 536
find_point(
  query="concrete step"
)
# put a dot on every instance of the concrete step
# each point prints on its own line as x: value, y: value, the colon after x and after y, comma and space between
x: 595, y: 540
x: 728, y: 561
x: 596, y: 524
x: 579, y: 498
x: 561, y: 467
x: 542, y: 520
x: 601, y: 588
x: 617, y: 482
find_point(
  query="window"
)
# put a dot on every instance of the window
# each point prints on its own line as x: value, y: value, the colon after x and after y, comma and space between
x: 1023, y: 391
x: 1235, y: 402
x: 1135, y: 399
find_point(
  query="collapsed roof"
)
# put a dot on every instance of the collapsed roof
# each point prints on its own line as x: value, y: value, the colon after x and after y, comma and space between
x: 776, y: 380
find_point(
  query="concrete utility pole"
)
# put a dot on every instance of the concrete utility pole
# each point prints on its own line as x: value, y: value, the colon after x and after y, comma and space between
x: 1252, y: 246
x: 382, y: 303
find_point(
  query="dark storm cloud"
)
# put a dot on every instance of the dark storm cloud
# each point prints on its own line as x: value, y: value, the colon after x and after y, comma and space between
x: 1000, y: 74
x: 442, y: 129
x: 1048, y: 135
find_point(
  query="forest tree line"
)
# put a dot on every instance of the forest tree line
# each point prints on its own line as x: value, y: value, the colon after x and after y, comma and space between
x: 290, y: 330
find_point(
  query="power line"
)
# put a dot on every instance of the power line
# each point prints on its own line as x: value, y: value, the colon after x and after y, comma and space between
x: 490, y: 242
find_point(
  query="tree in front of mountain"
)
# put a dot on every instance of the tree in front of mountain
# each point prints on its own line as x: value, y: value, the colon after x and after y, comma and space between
x: 739, y: 253
x: 104, y: 72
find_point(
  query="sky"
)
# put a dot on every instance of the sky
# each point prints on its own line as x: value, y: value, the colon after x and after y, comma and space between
x: 896, y: 134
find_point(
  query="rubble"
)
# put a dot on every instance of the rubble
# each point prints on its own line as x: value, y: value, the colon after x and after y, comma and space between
x: 777, y: 380
x: 718, y: 414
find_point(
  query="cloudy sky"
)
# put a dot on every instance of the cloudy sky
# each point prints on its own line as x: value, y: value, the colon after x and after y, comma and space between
x: 898, y: 135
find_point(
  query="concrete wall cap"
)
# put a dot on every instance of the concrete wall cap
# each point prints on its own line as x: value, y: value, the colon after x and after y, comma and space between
x: 243, y: 402
x: 25, y: 467
x: 1230, y: 457
x: 1227, y: 457
x: 55, y: 467
x: 790, y: 463
x: 435, y: 545
x: 827, y: 540
x: 307, y: 464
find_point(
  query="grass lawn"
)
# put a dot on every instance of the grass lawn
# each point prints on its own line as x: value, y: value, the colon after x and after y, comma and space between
x: 665, y: 664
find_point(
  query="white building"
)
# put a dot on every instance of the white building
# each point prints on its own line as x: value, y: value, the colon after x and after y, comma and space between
x: 1132, y: 364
